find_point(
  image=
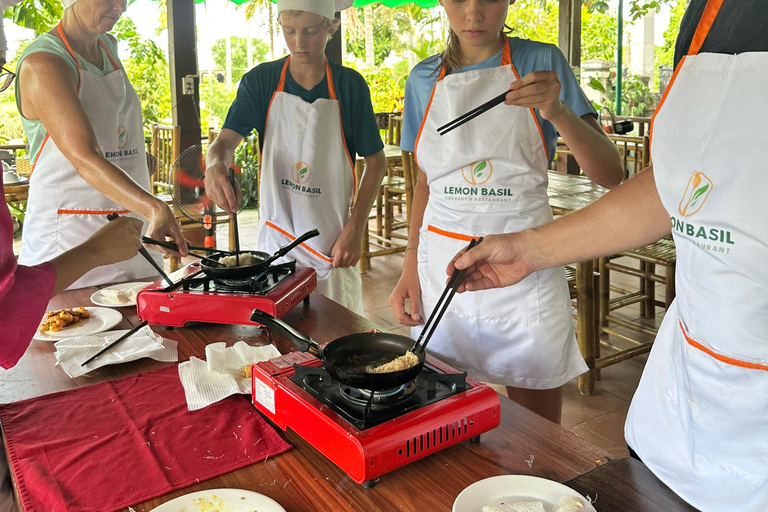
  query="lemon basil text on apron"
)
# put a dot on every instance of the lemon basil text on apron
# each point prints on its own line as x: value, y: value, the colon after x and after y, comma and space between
x: 699, y: 419
x: 64, y: 209
x: 490, y: 176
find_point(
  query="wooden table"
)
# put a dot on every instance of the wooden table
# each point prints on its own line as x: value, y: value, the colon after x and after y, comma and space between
x: 16, y: 193
x: 627, y: 485
x: 569, y: 193
x: 304, y: 480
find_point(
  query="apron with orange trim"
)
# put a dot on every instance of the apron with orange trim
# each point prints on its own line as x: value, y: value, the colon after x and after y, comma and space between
x: 63, y: 209
x: 699, y: 418
x: 490, y: 176
x: 308, y: 182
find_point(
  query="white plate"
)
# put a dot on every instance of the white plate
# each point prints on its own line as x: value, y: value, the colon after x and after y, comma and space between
x: 101, y: 319
x: 510, y: 488
x: 98, y: 299
x: 228, y: 500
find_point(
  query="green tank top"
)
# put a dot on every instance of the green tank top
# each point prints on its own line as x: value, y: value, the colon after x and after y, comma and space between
x: 35, y: 130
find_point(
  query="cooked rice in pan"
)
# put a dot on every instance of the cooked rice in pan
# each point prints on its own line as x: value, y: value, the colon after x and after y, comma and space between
x: 408, y: 360
x: 246, y: 260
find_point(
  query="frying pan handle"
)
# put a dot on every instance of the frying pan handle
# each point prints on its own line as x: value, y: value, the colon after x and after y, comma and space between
x: 303, y: 238
x: 299, y: 340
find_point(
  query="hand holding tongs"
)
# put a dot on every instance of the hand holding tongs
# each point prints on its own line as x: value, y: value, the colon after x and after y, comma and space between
x: 442, y: 304
x: 473, y: 113
x: 143, y: 252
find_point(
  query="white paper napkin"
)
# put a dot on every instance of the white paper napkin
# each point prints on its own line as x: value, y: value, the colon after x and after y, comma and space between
x: 71, y: 352
x: 206, y: 383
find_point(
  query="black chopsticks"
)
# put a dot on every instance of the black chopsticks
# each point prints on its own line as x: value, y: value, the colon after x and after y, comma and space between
x: 485, y: 107
x: 143, y: 252
x: 442, y: 304
x: 118, y: 340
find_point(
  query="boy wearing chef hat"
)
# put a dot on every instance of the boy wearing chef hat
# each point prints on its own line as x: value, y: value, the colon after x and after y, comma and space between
x: 312, y: 117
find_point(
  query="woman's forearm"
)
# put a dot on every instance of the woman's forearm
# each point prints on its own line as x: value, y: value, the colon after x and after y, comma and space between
x: 375, y: 169
x: 418, y: 206
x: 595, y: 153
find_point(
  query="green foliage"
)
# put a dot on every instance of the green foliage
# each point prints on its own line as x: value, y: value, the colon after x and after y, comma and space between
x: 665, y: 53
x: 534, y: 19
x: 637, y: 99
x: 239, y: 55
x: 382, y: 36
x: 247, y: 159
x: 215, y: 100
x: 387, y: 90
x: 148, y: 72
x: 38, y: 15
x: 598, y: 35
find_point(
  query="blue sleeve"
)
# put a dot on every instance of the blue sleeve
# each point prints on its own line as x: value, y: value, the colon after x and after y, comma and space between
x: 246, y: 111
x: 570, y: 92
x: 418, y: 90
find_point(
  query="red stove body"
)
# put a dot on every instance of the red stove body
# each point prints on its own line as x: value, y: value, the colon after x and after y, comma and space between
x: 403, y: 433
x: 196, y: 298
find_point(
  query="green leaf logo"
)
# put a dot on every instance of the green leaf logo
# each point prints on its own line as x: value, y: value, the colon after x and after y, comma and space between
x: 698, y: 193
x: 478, y: 172
x: 303, y: 173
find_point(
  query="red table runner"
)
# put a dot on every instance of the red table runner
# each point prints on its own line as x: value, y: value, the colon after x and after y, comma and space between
x: 111, y: 445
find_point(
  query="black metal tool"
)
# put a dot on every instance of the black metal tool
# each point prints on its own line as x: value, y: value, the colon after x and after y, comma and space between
x: 143, y: 252
x: 118, y: 340
x: 485, y: 107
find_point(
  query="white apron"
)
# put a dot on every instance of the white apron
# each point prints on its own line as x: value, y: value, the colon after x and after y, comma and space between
x: 699, y: 418
x: 490, y: 176
x: 308, y: 182
x: 63, y: 209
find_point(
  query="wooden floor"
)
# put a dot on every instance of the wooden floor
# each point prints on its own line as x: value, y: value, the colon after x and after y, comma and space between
x: 599, y: 419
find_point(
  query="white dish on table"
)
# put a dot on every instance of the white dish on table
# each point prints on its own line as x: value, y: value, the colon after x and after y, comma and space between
x: 221, y: 500
x: 99, y: 297
x: 101, y: 319
x: 511, y: 488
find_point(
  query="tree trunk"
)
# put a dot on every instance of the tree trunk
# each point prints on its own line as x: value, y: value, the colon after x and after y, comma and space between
x: 369, y: 55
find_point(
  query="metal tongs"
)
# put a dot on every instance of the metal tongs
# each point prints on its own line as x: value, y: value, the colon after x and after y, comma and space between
x: 442, y: 304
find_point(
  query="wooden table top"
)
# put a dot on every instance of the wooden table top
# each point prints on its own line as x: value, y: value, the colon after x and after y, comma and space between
x: 627, y: 485
x: 302, y: 479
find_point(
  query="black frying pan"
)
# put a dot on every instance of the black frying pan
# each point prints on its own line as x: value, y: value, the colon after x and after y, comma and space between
x: 347, y: 358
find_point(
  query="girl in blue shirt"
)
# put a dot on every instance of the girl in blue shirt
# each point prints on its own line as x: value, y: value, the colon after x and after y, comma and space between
x: 490, y: 176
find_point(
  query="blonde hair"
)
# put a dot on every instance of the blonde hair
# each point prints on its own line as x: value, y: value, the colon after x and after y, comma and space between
x: 451, y: 56
x: 331, y: 25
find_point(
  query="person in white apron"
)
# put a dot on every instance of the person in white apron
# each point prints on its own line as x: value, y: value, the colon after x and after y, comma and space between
x: 307, y: 176
x: 92, y: 160
x: 490, y: 176
x: 698, y: 419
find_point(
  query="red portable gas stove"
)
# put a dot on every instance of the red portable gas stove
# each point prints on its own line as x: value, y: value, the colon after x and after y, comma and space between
x: 368, y: 434
x: 195, y: 297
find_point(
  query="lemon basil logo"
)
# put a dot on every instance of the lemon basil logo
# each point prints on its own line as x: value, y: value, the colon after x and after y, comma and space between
x: 477, y: 173
x: 301, y: 173
x: 300, y: 176
x: 707, y: 237
x: 122, y: 137
x: 696, y: 193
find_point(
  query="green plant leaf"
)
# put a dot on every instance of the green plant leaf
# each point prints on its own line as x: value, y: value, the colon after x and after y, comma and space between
x: 479, y: 169
x: 698, y: 193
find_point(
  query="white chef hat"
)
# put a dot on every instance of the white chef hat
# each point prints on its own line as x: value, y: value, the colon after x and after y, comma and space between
x: 325, y: 8
x: 68, y: 3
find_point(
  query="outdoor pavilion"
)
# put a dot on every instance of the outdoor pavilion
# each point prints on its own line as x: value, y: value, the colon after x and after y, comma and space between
x: 182, y: 47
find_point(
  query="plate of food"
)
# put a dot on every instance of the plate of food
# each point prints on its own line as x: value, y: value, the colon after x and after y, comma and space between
x: 221, y: 500
x: 520, y: 493
x: 118, y: 295
x: 78, y: 321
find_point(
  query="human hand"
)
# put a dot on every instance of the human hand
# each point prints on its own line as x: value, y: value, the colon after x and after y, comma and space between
x: 116, y: 241
x: 498, y: 262
x: 162, y: 224
x: 540, y: 90
x: 151, y: 164
x: 407, y: 287
x: 348, y: 247
x: 218, y: 188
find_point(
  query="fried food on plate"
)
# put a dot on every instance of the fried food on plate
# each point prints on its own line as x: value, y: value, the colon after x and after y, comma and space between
x: 58, y: 320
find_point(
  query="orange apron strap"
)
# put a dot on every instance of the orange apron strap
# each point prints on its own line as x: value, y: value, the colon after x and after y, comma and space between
x: 281, y: 85
x: 506, y: 56
x: 705, y: 24
x: 71, y: 52
x: 109, y: 54
x: 702, y: 31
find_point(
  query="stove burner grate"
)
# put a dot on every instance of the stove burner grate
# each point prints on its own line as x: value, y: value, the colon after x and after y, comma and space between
x: 260, y: 284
